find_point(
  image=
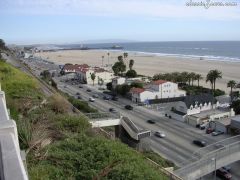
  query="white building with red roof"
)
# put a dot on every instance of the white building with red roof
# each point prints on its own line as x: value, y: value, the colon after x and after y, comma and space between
x: 84, y: 71
x: 159, y: 89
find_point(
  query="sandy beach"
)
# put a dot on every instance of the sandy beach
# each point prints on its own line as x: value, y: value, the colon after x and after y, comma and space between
x: 149, y: 64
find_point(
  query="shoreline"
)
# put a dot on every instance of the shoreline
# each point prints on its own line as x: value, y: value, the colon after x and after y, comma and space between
x: 149, y: 65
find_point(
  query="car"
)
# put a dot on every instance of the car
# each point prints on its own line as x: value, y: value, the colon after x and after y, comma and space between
x: 223, y: 174
x: 79, y: 97
x: 91, y: 99
x: 128, y: 107
x: 209, y: 130
x: 203, y: 126
x: 141, y: 104
x: 106, y: 97
x: 160, y: 134
x: 80, y: 86
x: 95, y: 96
x: 227, y: 168
x: 89, y: 90
x: 77, y: 93
x: 200, y: 143
x: 112, y: 110
x: 151, y: 121
x: 114, y: 98
x: 65, y: 86
x: 216, y: 133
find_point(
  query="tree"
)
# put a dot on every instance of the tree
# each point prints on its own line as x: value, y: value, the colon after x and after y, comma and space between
x: 131, y: 63
x: 109, y: 86
x: 46, y: 74
x: 120, y: 58
x: 119, y: 67
x: 93, y: 76
x: 2, y: 45
x: 198, y: 78
x: 212, y: 76
x: 131, y: 74
x: 102, y: 60
x: 231, y: 84
x: 137, y: 85
x: 192, y: 76
x: 236, y: 106
x: 100, y: 81
x: 108, y: 57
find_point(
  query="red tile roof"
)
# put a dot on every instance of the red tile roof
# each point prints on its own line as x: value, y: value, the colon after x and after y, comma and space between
x: 137, y: 90
x: 158, y: 82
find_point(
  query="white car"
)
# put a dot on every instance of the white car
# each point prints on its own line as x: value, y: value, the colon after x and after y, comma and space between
x: 160, y: 134
x: 91, y: 99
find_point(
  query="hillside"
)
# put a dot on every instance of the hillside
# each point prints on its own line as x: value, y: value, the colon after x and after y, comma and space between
x: 61, y: 145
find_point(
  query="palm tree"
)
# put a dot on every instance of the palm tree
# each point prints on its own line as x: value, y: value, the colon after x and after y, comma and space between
x: 108, y: 57
x: 192, y: 76
x: 93, y: 76
x: 102, y: 60
x: 131, y: 63
x: 198, y: 78
x: 231, y: 84
x: 184, y: 77
x: 212, y: 76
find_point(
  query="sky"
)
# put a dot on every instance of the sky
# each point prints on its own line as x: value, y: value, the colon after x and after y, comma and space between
x: 76, y: 21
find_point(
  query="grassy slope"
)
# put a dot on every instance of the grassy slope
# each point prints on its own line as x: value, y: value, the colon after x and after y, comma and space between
x: 63, y: 146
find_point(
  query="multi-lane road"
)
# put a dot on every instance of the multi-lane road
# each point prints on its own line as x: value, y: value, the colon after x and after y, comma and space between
x: 176, y: 146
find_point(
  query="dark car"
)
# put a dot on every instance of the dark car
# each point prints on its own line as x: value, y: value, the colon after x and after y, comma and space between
x: 209, y: 130
x: 114, y: 98
x: 223, y: 174
x: 77, y: 93
x: 95, y: 96
x: 106, y: 97
x: 200, y: 143
x: 216, y: 133
x: 79, y: 97
x: 227, y: 168
x: 128, y: 107
x: 80, y: 86
x: 151, y: 121
x: 112, y: 110
x: 89, y: 90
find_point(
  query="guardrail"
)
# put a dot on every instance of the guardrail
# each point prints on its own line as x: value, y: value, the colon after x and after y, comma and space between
x: 11, y: 164
x: 211, y: 161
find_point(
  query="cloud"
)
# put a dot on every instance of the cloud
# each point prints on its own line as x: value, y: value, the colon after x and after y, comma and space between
x: 120, y: 8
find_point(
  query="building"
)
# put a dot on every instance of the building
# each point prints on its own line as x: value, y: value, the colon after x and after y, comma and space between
x: 215, y: 115
x: 194, y: 104
x: 235, y: 124
x: 83, y: 73
x: 118, y: 81
x: 160, y: 89
x: 224, y: 101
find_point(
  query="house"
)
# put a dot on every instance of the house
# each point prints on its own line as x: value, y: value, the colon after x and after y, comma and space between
x: 215, y: 115
x: 83, y: 73
x: 118, y: 81
x: 224, y: 101
x: 194, y: 104
x: 159, y: 89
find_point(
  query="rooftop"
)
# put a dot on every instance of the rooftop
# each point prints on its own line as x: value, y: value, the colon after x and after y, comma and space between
x: 199, y: 99
x: 158, y: 82
x: 208, y: 113
x: 137, y: 90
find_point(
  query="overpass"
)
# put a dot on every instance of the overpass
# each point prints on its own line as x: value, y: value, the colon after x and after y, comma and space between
x: 210, y: 158
x: 115, y: 119
x: 11, y: 163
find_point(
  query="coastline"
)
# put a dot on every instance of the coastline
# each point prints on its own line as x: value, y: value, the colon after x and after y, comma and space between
x: 149, y: 64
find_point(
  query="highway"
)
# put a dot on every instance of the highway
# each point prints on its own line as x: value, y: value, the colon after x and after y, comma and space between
x: 177, y: 146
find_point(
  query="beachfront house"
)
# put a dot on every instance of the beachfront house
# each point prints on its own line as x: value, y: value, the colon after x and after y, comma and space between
x: 83, y: 73
x: 159, y: 89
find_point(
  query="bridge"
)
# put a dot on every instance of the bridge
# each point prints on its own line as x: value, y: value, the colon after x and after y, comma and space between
x: 210, y: 158
x: 11, y: 163
x: 115, y: 119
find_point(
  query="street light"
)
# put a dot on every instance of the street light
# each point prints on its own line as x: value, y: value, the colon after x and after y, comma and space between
x: 215, y: 172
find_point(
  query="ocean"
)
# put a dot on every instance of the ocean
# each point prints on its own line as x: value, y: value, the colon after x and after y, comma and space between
x: 211, y: 50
